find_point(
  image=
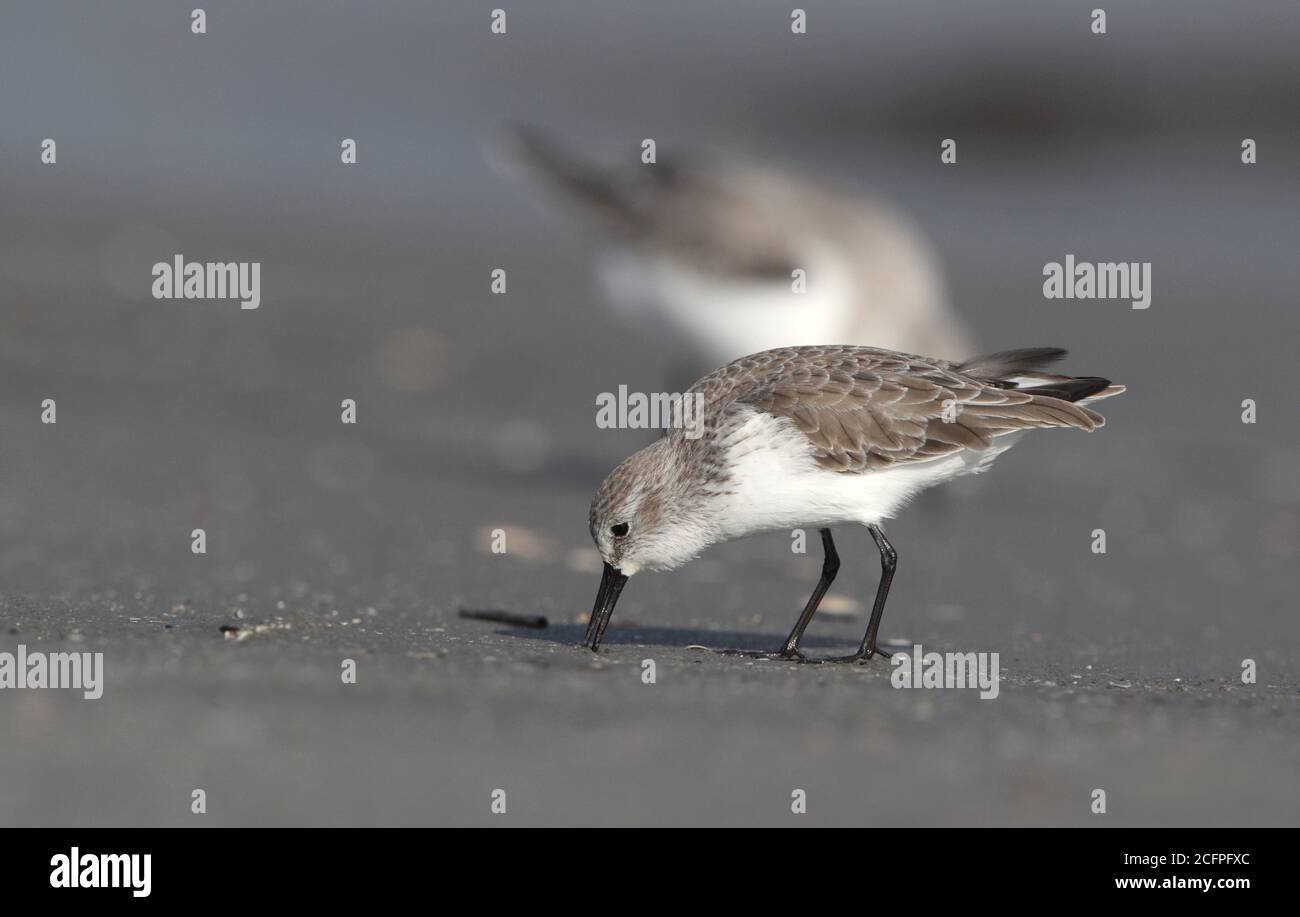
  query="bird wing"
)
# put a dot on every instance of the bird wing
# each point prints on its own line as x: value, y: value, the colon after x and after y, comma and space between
x: 864, y: 409
x: 679, y: 206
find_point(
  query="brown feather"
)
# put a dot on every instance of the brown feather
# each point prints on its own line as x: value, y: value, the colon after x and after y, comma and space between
x: 863, y: 409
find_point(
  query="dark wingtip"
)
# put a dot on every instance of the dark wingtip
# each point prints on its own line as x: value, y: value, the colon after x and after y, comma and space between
x: 521, y: 143
x: 1074, y: 389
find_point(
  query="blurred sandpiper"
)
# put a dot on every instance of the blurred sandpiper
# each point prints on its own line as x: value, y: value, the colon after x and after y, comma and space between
x: 817, y: 437
x: 706, y: 252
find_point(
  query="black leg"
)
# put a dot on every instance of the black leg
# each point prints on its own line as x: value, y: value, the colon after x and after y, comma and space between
x: 888, y: 562
x: 830, y: 566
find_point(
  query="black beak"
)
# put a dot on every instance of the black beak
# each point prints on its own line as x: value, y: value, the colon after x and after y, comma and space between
x: 611, y: 584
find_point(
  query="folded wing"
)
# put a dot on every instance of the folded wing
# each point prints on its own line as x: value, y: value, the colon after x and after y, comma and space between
x: 864, y: 409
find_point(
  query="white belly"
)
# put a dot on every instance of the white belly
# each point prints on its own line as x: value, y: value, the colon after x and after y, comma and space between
x: 727, y: 318
x: 777, y: 484
x: 895, y: 306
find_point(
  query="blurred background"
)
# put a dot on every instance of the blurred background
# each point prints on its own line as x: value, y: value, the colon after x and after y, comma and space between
x: 476, y: 412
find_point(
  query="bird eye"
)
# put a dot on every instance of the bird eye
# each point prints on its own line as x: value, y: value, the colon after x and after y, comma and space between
x: 618, y: 529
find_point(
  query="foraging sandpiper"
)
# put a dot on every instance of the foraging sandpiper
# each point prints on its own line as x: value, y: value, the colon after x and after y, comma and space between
x: 817, y: 437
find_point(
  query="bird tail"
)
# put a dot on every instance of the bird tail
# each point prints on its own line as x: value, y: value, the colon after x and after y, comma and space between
x: 570, y: 179
x: 1022, y: 370
x: 996, y: 367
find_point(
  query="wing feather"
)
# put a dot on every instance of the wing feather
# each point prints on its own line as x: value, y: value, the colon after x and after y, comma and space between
x: 864, y: 409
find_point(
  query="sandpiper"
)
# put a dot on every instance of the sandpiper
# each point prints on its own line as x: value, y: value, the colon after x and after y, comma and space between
x: 817, y: 437
x: 707, y: 252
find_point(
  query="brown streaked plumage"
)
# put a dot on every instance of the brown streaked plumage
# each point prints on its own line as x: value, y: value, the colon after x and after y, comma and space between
x: 863, y: 408
x: 821, y: 436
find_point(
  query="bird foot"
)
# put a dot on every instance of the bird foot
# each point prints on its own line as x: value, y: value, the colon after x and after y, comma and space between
x: 785, y: 655
x: 861, y: 656
x: 795, y: 655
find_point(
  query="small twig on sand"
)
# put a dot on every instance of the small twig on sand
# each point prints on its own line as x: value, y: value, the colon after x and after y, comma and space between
x: 504, y: 617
